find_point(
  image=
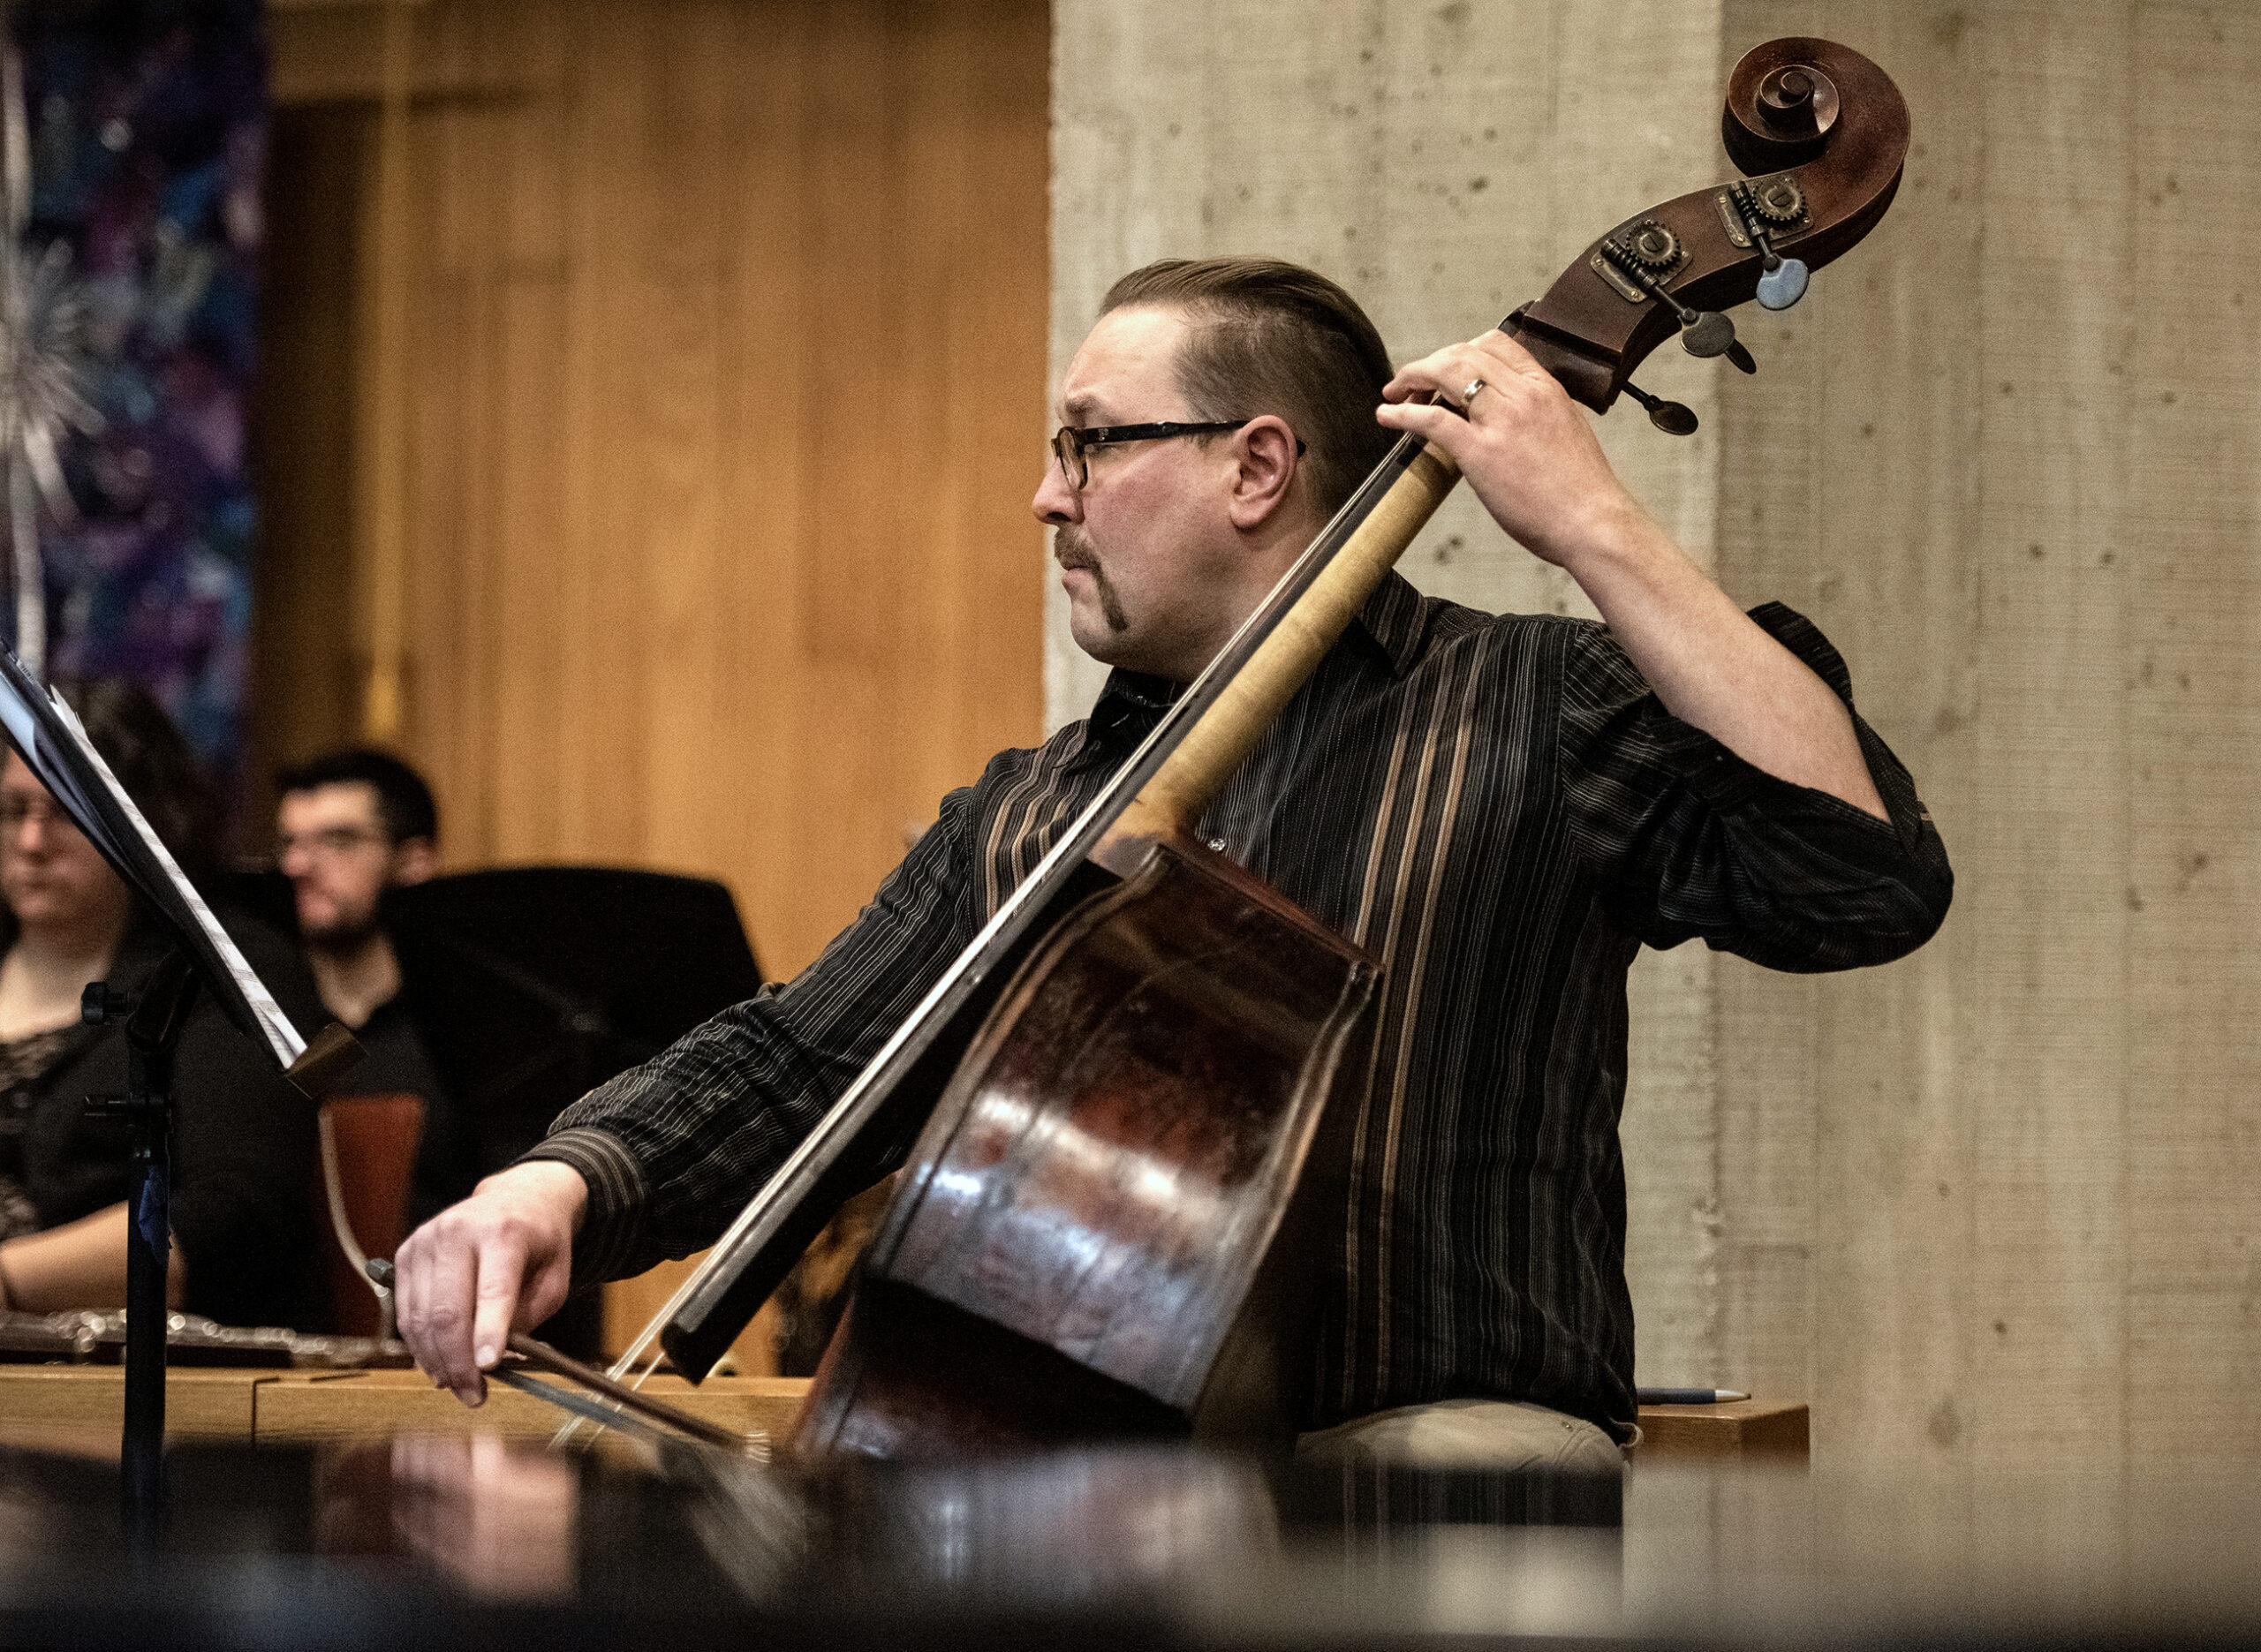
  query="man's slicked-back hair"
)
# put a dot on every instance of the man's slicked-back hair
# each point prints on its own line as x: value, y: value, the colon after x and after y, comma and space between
x: 404, y: 801
x: 1269, y: 336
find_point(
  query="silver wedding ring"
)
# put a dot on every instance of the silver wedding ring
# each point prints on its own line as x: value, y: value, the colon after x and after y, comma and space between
x: 1469, y: 395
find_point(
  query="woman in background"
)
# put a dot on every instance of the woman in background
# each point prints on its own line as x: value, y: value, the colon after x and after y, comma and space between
x: 243, y: 1139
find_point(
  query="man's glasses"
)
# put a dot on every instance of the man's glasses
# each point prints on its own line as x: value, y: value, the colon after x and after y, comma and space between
x: 15, y: 811
x: 1070, y: 445
x: 332, y: 840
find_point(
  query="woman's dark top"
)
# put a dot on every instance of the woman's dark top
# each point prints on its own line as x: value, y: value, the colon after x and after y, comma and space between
x: 24, y: 1063
x: 243, y: 1140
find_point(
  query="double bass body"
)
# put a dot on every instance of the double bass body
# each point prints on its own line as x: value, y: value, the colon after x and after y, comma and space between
x: 1105, y: 1226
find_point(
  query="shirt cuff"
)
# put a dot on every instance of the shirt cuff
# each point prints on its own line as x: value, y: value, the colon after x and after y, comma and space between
x: 617, y: 1193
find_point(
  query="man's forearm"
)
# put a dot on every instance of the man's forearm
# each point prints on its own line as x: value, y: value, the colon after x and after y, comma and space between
x: 614, y: 1192
x: 79, y: 1264
x: 1711, y: 664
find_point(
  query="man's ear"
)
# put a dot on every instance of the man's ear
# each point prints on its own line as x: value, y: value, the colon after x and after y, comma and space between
x: 1266, y: 449
x: 414, y: 859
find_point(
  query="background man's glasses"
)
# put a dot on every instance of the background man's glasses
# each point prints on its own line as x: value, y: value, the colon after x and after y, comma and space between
x: 330, y: 840
x: 1070, y: 444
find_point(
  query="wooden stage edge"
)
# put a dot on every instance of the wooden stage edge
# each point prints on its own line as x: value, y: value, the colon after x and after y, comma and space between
x: 269, y: 1405
x: 82, y: 1407
x: 1771, y: 1430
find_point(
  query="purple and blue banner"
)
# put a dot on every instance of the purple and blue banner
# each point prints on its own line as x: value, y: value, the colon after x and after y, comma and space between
x: 147, y: 128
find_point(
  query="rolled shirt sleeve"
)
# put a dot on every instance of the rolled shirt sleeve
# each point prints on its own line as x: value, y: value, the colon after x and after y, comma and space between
x: 1685, y: 839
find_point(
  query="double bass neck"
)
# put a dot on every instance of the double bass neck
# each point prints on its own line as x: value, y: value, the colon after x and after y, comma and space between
x: 1281, y: 645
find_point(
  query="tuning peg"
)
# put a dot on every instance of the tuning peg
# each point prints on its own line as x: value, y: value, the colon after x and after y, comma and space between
x: 1672, y: 417
x: 1707, y: 332
x: 1702, y: 332
x: 1784, y: 283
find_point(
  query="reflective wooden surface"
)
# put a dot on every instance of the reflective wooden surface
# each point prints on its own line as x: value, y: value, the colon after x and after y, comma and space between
x: 469, y: 1538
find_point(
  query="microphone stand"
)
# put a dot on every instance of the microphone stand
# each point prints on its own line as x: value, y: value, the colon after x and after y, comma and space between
x: 153, y: 1017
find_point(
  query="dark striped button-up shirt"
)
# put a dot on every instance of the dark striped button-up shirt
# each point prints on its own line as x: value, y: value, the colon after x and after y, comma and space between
x: 1500, y: 811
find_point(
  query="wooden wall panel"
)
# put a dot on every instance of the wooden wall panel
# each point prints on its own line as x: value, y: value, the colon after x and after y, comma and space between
x: 301, y: 446
x: 726, y: 399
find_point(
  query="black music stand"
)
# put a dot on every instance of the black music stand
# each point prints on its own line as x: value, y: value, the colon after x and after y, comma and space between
x: 531, y: 986
x: 47, y: 733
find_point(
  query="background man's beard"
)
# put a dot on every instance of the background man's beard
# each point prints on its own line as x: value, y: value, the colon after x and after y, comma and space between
x: 345, y: 935
x: 1070, y: 551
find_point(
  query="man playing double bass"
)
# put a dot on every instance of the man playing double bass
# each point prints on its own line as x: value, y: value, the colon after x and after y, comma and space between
x: 1500, y: 809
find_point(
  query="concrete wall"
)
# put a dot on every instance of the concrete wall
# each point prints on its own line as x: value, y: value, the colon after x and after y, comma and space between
x: 1998, y: 1198
x: 1443, y: 164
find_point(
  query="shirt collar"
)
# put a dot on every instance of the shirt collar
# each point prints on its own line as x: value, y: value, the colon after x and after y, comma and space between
x: 1133, y: 702
x: 1127, y: 710
x: 1394, y: 616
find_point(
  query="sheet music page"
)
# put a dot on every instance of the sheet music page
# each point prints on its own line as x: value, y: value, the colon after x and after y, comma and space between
x: 53, y: 742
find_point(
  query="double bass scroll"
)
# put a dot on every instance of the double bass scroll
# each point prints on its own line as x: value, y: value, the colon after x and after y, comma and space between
x: 1821, y: 135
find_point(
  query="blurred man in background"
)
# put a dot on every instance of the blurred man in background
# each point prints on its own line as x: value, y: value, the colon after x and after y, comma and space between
x: 351, y: 825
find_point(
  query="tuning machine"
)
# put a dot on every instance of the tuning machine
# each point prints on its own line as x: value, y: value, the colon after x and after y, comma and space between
x: 1703, y: 333
x: 1779, y: 205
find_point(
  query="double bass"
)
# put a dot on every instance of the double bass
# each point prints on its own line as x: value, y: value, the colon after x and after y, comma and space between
x: 1117, y: 1100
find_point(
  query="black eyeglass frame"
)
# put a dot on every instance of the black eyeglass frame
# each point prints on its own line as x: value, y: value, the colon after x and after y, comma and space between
x: 1070, y: 443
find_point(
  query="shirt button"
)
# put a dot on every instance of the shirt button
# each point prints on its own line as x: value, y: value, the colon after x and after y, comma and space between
x: 1218, y: 844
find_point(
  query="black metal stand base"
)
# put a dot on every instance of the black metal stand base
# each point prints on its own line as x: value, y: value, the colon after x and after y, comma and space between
x: 153, y: 1017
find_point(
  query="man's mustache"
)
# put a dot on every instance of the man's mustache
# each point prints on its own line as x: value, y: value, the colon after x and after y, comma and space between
x: 1070, y: 550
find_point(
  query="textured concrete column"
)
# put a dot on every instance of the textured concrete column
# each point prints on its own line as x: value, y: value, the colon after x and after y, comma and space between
x: 1994, y: 1204
x: 1442, y: 161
